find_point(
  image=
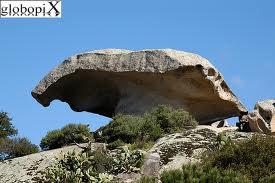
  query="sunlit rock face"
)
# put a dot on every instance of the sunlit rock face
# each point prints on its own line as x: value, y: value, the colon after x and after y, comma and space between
x: 262, y: 118
x: 114, y: 81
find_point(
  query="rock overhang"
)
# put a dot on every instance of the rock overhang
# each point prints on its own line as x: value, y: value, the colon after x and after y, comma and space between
x: 114, y: 81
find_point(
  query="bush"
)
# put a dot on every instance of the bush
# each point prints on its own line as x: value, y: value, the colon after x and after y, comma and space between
x: 254, y: 158
x: 270, y: 179
x: 116, y: 144
x: 65, y: 136
x: 143, y: 145
x: 127, y: 161
x: 171, y: 120
x: 145, y: 128
x: 199, y: 174
x: 53, y: 140
x: 16, y: 147
x: 172, y: 176
x: 102, y: 162
x: 147, y: 180
x: 73, y: 167
x: 92, y: 166
x: 122, y: 127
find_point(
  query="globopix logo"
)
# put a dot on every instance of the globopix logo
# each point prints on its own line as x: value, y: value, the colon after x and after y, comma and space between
x: 30, y: 9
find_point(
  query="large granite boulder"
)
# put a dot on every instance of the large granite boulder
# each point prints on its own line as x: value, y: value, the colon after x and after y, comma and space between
x: 114, y: 81
x: 262, y: 118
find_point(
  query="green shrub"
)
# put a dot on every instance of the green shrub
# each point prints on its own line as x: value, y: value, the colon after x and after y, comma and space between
x: 116, y: 144
x: 172, y: 176
x: 122, y: 127
x: 148, y: 127
x: 65, y: 136
x: 270, y: 179
x: 143, y: 145
x: 171, y: 120
x: 202, y: 174
x: 53, y: 140
x: 127, y: 161
x: 16, y: 147
x: 254, y: 157
x: 95, y: 167
x: 74, y: 168
x: 102, y: 162
x: 147, y: 180
x: 150, y: 130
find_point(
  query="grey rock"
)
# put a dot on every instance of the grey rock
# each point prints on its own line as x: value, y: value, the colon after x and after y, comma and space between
x: 151, y: 165
x: 260, y: 119
x: 27, y: 168
x: 128, y: 177
x: 114, y: 81
x: 187, y: 147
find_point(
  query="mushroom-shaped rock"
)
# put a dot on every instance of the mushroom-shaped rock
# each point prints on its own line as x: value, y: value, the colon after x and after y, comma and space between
x: 114, y: 81
x: 262, y: 118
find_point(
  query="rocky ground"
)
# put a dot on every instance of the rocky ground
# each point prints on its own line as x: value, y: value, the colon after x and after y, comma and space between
x: 25, y: 169
x: 169, y: 152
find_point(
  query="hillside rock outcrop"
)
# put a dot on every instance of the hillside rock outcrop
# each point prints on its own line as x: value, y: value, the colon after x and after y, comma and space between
x: 262, y: 118
x: 114, y: 81
x: 26, y: 169
x: 187, y: 147
x: 169, y: 152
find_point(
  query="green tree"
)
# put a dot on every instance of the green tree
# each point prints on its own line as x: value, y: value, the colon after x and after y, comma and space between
x: 13, y: 147
x: 16, y: 147
x: 67, y: 135
x: 6, y: 127
x: 53, y: 139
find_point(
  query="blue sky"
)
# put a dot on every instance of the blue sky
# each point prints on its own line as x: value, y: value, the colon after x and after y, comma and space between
x: 238, y: 37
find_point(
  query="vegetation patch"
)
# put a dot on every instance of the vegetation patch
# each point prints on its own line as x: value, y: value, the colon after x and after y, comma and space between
x: 67, y: 135
x: 198, y: 174
x: 254, y: 157
x: 96, y: 167
x: 10, y: 146
x: 145, y: 129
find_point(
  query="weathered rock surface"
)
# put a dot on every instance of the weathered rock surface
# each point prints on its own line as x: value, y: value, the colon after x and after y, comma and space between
x: 260, y: 119
x: 26, y: 169
x: 151, y: 165
x: 187, y: 147
x: 108, y: 82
